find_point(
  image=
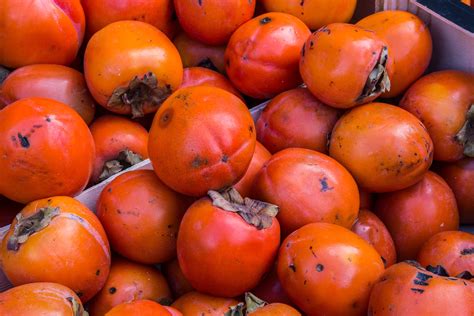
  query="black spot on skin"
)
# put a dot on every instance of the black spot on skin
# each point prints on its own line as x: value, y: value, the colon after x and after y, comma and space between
x: 97, y: 272
x: 439, y: 270
x: 48, y: 119
x: 467, y: 251
x: 198, y: 162
x: 25, y: 143
x: 251, y: 128
x: 355, y: 304
x: 466, y: 275
x: 319, y: 267
x: 303, y: 50
x: 292, y: 267
x: 324, y: 185
x: 112, y: 290
x: 312, y: 251
x: 225, y: 158
x: 169, y: 226
x: 421, y: 279
x: 109, y: 190
x: 37, y: 126
x: 265, y: 20
x: 311, y: 44
x: 200, y: 2
x: 305, y: 281
x: 417, y: 290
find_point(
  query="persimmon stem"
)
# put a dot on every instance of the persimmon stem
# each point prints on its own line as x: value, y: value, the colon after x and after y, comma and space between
x: 378, y: 80
x: 124, y: 160
x: 465, y: 136
x: 252, y: 303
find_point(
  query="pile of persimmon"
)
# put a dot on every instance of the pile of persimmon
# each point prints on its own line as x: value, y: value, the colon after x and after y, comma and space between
x: 342, y: 194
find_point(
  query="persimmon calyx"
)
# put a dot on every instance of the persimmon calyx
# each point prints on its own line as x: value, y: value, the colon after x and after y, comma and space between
x: 465, y: 136
x: 140, y: 92
x: 26, y: 226
x: 378, y: 80
x: 257, y: 213
x: 77, y: 309
x: 252, y: 303
x: 125, y: 159
x: 4, y: 72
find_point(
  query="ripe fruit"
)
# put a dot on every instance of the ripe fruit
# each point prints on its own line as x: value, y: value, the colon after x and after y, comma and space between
x: 295, y: 118
x: 131, y: 67
x: 453, y: 250
x: 49, y: 233
x: 373, y: 230
x: 344, y: 65
x: 55, y: 82
x: 262, y: 55
x: 129, y: 281
x: 308, y: 187
x: 40, y: 32
x: 217, y: 239
x: 202, y: 139
x: 119, y: 143
x: 418, y: 212
x: 314, y: 13
x: 139, y: 308
x: 328, y: 270
x: 409, y: 42
x: 408, y: 289
x: 46, y: 149
x: 141, y: 216
x: 41, y: 298
x: 257, y: 307
x: 198, y: 304
x: 200, y: 76
x: 444, y: 102
x: 384, y: 147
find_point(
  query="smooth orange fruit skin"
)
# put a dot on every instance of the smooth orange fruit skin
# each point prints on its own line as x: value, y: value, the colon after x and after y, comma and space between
x: 46, y: 149
x: 198, y: 304
x: 276, y: 309
x: 139, y: 308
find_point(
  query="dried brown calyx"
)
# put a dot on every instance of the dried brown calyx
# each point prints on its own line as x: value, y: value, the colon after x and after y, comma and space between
x: 124, y: 160
x: 26, y: 226
x: 77, y: 308
x: 465, y: 136
x: 140, y: 92
x: 252, y: 303
x: 378, y: 81
x: 257, y: 213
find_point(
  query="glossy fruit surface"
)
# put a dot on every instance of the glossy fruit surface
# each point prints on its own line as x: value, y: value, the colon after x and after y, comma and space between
x: 384, y: 147
x: 202, y: 138
x: 200, y: 76
x: 49, y: 232
x: 328, y: 270
x: 344, y: 65
x: 409, y: 42
x: 46, y: 149
x: 415, y: 214
x: 56, y: 82
x: 141, y: 216
x: 308, y: 187
x: 40, y: 32
x: 139, y: 308
x: 198, y: 304
x: 262, y: 55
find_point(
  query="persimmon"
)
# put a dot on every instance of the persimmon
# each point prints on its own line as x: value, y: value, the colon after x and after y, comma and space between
x: 50, y: 232
x: 129, y: 281
x: 409, y: 42
x: 202, y: 139
x: 373, y: 230
x: 314, y: 13
x: 216, y: 239
x: 453, y: 250
x: 344, y: 65
x: 200, y: 76
x: 173, y: 311
x: 308, y: 187
x: 295, y: 118
x: 196, y: 54
x: 444, y: 102
x: 258, y: 307
x: 415, y: 214
x: 460, y: 177
x: 328, y: 270
x: 46, y: 149
x: 262, y: 55
x: 139, y: 308
x: 199, y: 304
x: 141, y: 216
x: 131, y: 67
x: 270, y: 290
x: 120, y: 143
x: 100, y: 13
x: 213, y: 21
x: 55, y: 82
x: 176, y: 279
x: 408, y: 289
x: 384, y: 147
x: 40, y: 32
x: 40, y: 298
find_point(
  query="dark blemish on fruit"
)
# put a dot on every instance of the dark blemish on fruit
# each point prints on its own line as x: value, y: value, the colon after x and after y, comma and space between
x: 355, y: 304
x: 466, y: 275
x: 312, y: 251
x: 265, y: 20
x: 305, y: 281
x: 79, y: 294
x: 303, y: 50
x: 251, y: 128
x: 292, y: 267
x: 383, y: 260
x: 421, y: 279
x: 288, y: 245
x: 25, y: 143
x: 37, y: 126
x: 331, y: 83
x: 337, y: 217
x: 467, y: 251
x: 166, y: 118
x: 302, y: 3
x: 198, y: 162
x: 109, y: 190
x: 169, y: 226
x: 112, y: 290
x: 48, y: 119
x: 97, y: 272
x: 311, y: 44
x: 324, y: 185
x: 244, y: 57
x: 225, y: 158
x: 417, y: 290
x: 319, y: 267
x: 439, y: 270
x: 200, y: 2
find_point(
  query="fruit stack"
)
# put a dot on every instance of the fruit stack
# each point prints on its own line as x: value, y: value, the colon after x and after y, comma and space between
x: 344, y: 196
